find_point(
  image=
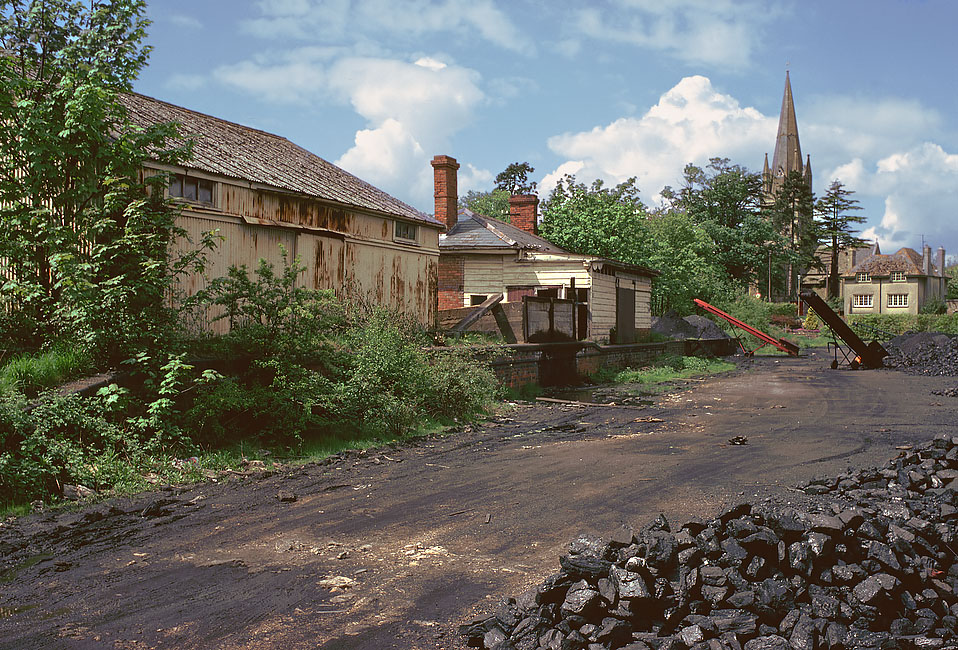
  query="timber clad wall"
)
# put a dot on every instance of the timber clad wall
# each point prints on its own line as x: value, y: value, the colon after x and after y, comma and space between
x: 344, y: 250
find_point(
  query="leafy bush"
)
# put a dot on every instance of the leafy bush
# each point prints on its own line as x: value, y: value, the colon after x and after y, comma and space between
x: 934, y: 305
x: 900, y: 323
x: 753, y: 311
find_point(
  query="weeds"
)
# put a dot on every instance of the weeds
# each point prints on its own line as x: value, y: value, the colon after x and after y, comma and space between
x: 664, y: 369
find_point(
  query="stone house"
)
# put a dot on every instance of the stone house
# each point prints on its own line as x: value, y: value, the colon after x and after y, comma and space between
x: 481, y: 256
x: 260, y: 191
x: 894, y: 284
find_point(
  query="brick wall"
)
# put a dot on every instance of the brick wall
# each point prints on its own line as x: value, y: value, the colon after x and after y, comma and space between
x: 450, y: 281
x: 518, y: 365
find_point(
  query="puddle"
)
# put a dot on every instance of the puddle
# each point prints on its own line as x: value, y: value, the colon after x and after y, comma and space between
x: 601, y: 395
x: 8, y: 612
x: 11, y: 574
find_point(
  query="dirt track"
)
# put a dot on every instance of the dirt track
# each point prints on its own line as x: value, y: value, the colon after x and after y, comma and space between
x: 394, y: 548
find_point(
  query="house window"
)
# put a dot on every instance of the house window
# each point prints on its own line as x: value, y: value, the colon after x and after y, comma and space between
x: 898, y: 300
x: 476, y: 299
x: 897, y: 276
x: 198, y: 190
x: 406, y: 231
x: 863, y: 277
x: 863, y: 300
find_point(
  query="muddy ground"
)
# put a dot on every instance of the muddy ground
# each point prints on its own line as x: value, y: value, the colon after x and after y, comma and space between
x: 395, y: 547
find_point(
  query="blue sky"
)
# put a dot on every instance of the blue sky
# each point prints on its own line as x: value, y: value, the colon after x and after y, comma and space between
x: 607, y: 89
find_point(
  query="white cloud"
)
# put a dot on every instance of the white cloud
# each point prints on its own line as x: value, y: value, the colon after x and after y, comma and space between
x: 712, y: 32
x: 286, y: 82
x: 334, y: 20
x: 920, y: 190
x: 187, y: 22
x: 473, y: 178
x: 186, y: 81
x: 692, y: 122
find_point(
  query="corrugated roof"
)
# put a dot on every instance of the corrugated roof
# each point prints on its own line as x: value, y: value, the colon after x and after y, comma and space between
x: 237, y: 151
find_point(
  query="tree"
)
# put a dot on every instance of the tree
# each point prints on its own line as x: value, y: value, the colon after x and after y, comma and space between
x: 514, y: 179
x: 792, y: 214
x: 836, y: 226
x: 725, y: 199
x: 493, y: 204
x: 85, y: 235
x: 596, y: 220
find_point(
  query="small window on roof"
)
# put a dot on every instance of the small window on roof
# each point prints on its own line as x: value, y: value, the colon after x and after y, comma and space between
x: 897, y: 276
x: 863, y: 277
x: 190, y: 188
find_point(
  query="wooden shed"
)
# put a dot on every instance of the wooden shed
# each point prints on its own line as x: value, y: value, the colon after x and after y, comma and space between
x: 481, y: 256
x: 260, y: 191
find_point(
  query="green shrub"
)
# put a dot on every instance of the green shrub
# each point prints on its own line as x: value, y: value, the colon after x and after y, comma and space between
x: 934, y: 305
x: 752, y: 311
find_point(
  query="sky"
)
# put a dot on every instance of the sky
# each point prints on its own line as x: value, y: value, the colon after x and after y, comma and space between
x: 606, y: 89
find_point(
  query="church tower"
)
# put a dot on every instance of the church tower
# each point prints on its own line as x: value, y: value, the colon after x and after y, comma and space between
x: 788, y: 150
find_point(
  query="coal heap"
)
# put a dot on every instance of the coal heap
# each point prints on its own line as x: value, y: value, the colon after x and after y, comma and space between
x: 868, y: 566
x: 923, y: 353
x: 690, y: 327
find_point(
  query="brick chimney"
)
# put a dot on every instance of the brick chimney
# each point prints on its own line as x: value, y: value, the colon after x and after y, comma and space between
x: 926, y: 259
x: 941, y: 261
x: 522, y: 212
x: 446, y: 190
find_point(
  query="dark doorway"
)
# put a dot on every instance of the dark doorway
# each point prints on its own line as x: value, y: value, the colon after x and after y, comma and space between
x: 624, y: 315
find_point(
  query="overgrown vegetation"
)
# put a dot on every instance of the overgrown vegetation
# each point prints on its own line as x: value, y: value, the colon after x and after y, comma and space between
x: 89, y: 284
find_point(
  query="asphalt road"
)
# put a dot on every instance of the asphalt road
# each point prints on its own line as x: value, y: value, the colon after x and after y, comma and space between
x: 395, y: 547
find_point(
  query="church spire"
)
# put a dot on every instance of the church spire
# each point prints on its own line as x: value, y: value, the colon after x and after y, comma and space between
x: 788, y: 150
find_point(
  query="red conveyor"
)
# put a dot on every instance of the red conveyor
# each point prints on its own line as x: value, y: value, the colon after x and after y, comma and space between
x: 781, y: 344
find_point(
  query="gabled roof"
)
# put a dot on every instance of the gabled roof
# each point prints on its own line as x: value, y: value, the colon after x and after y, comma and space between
x: 240, y: 152
x: 474, y: 232
x: 907, y: 260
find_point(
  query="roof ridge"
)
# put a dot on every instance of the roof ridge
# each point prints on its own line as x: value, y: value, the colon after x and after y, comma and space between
x: 218, y: 119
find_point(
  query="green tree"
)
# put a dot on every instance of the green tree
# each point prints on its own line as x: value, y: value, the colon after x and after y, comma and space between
x: 837, y: 227
x: 725, y: 200
x: 792, y: 214
x: 493, y: 204
x: 596, y: 220
x: 85, y: 235
x: 514, y: 179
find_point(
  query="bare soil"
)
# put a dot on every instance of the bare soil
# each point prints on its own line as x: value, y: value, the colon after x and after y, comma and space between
x: 394, y: 548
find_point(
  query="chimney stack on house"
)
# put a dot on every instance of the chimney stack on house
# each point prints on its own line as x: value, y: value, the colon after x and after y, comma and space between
x: 926, y: 259
x: 446, y: 190
x: 522, y: 212
x: 941, y: 261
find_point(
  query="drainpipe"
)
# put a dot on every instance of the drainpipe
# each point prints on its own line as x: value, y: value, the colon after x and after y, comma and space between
x: 879, y: 296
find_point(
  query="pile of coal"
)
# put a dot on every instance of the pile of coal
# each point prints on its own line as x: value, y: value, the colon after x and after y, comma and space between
x: 923, y: 353
x: 870, y: 568
x: 946, y: 392
x: 690, y: 327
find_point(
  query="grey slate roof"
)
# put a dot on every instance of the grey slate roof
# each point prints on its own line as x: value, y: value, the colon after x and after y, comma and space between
x: 474, y: 231
x: 237, y: 151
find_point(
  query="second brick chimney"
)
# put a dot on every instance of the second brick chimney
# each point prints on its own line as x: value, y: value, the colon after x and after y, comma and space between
x: 522, y: 212
x: 446, y: 187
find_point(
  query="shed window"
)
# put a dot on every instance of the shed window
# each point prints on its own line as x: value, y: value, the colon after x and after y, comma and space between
x: 476, y: 299
x: 863, y: 277
x: 863, y: 300
x: 198, y: 190
x: 406, y: 231
x: 898, y: 300
x: 897, y: 276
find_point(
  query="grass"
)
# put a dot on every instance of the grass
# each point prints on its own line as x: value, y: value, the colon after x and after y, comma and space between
x: 32, y: 373
x: 665, y: 369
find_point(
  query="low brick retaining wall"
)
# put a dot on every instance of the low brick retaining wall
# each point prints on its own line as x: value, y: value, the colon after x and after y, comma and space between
x: 564, y: 363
